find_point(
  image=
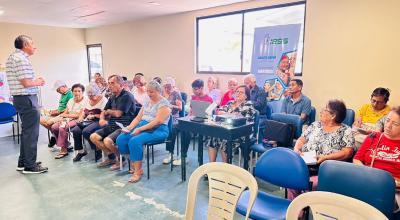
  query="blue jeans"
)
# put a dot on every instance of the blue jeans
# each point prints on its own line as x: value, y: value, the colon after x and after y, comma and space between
x: 133, y: 145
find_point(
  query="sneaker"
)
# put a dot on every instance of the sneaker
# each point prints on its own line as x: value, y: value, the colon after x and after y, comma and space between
x: 36, y: 169
x: 21, y: 166
x: 52, y: 142
x: 177, y: 162
x: 79, y: 156
x: 167, y: 160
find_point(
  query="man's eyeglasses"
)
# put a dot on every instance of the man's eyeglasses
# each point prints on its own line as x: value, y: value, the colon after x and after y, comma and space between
x: 374, y: 101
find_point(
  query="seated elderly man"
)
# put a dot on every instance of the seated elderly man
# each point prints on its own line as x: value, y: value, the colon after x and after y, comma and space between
x: 48, y: 121
x: 257, y: 95
x: 328, y: 138
x: 119, y: 108
x: 297, y: 103
x: 151, y: 124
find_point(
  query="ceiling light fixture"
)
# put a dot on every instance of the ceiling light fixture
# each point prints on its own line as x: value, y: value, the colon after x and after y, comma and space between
x: 154, y: 3
x: 1, y: 12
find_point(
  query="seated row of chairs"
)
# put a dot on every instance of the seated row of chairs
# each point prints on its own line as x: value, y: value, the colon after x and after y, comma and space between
x: 282, y: 167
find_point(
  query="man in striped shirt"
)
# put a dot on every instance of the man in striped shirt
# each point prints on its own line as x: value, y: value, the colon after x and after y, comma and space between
x: 24, y: 87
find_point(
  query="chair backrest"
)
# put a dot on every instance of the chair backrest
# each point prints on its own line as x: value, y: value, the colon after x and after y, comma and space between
x: 294, y: 120
x: 280, y: 132
x: 373, y: 186
x: 182, y: 112
x: 275, y: 106
x: 349, y: 120
x: 184, y: 96
x: 311, y: 117
x: 7, y: 110
x: 327, y: 205
x: 226, y: 184
x: 283, y: 167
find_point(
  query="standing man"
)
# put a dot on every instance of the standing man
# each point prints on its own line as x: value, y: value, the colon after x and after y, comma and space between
x: 24, y: 89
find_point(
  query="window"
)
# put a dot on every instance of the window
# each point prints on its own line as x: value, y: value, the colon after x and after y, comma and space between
x: 95, y: 60
x: 225, y: 42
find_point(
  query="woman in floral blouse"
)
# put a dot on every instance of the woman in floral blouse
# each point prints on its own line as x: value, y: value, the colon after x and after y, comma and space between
x: 329, y: 138
x: 241, y: 105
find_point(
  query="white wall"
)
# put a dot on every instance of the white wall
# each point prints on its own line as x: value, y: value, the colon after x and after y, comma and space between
x: 350, y: 47
x: 61, y: 54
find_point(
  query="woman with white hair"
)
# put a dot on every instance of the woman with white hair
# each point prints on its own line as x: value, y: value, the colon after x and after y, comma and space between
x: 175, y: 99
x: 213, y: 92
x: 88, y: 121
x: 151, y: 124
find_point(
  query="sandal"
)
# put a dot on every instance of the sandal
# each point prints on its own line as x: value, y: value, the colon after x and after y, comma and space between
x: 61, y: 155
x: 137, y: 175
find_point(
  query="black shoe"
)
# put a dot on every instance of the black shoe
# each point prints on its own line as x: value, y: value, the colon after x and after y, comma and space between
x: 52, y: 142
x: 98, y: 155
x: 35, y: 170
x: 70, y: 149
x: 79, y: 156
x: 21, y: 165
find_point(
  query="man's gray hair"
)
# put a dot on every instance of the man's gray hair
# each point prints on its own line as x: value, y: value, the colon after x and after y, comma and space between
x: 250, y: 76
x: 154, y: 85
x: 118, y: 79
x: 21, y: 41
x: 93, y: 89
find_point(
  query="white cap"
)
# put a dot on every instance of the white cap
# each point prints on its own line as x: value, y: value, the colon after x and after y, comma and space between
x: 169, y: 80
x: 58, y: 84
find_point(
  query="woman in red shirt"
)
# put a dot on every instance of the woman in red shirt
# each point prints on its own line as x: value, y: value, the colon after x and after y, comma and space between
x: 382, y: 150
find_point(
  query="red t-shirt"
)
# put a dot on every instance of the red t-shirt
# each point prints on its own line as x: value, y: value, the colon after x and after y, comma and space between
x: 387, y: 155
x: 226, y: 98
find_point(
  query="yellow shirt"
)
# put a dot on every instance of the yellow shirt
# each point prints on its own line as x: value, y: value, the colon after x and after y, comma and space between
x: 369, y: 115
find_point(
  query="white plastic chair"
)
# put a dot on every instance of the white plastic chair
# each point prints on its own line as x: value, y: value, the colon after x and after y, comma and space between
x: 327, y: 205
x: 226, y: 184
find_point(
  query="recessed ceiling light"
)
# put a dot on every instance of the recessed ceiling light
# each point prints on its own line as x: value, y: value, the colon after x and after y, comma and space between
x: 1, y: 12
x: 154, y: 3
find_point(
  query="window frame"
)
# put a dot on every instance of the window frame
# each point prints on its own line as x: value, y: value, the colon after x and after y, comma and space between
x: 88, y: 58
x: 242, y: 12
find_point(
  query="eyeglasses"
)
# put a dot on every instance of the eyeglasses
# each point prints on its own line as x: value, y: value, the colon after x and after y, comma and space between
x: 325, y: 109
x: 374, y: 101
x: 240, y: 92
x: 389, y: 121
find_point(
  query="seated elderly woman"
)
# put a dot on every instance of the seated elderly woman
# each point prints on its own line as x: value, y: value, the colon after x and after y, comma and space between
x: 69, y: 116
x: 88, y: 121
x: 151, y: 124
x: 175, y: 99
x: 241, y: 105
x: 381, y: 150
x: 328, y: 137
x: 228, y: 96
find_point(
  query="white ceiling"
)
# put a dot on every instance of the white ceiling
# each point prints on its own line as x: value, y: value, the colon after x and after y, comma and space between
x: 92, y: 13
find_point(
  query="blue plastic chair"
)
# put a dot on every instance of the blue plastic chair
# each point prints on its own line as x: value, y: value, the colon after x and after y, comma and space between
x: 8, y: 112
x: 282, y: 167
x: 151, y: 144
x: 311, y: 117
x: 294, y: 120
x: 373, y: 186
x: 350, y: 115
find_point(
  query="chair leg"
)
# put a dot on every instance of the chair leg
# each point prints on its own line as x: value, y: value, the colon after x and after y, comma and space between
x: 148, y: 163
x: 240, y: 156
x: 172, y: 159
x: 152, y: 154
x: 177, y: 143
x: 120, y: 162
x: 13, y: 131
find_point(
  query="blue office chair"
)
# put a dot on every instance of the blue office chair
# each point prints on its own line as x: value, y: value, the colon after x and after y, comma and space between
x: 373, y: 186
x: 311, y: 117
x: 8, y: 112
x: 151, y: 144
x: 294, y: 120
x: 350, y: 115
x: 281, y: 167
x: 184, y: 96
